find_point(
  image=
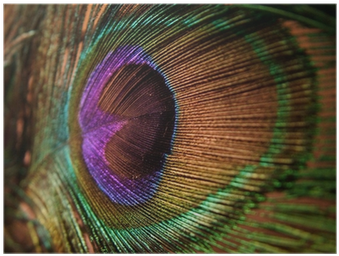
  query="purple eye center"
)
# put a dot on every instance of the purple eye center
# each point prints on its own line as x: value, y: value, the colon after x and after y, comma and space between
x: 127, y: 116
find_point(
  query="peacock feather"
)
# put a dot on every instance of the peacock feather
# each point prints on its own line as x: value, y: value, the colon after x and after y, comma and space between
x: 170, y: 128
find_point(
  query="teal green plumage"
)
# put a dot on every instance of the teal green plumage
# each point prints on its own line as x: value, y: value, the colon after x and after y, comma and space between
x: 170, y: 128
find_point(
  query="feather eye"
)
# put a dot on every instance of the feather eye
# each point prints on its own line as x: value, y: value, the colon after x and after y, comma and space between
x: 173, y: 128
x: 127, y: 118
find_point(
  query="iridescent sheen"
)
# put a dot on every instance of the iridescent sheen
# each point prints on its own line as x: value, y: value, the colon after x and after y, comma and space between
x: 98, y: 127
